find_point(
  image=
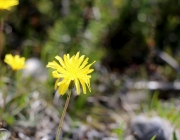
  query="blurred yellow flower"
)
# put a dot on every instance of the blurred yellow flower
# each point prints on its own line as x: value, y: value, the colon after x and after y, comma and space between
x: 71, y: 69
x: 117, y: 2
x: 7, y: 4
x: 15, y: 62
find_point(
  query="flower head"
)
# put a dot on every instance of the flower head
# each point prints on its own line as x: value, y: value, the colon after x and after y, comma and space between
x: 15, y: 62
x: 7, y: 4
x: 71, y: 69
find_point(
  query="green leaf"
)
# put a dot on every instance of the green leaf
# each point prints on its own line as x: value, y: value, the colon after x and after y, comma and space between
x: 174, y: 136
x: 153, y: 138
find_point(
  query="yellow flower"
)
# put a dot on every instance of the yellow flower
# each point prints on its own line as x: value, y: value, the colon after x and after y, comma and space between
x: 15, y: 62
x: 7, y: 4
x: 71, y: 70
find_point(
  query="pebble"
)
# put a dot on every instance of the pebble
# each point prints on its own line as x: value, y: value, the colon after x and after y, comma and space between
x: 144, y: 128
x: 35, y: 68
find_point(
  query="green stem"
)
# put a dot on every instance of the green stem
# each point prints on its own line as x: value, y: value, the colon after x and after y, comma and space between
x: 63, y: 115
x: 4, y: 102
x: 10, y: 85
x: 3, y: 107
x: 1, y: 36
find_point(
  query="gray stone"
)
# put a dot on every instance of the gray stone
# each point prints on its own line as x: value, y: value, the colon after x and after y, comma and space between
x: 35, y: 69
x: 110, y: 138
x: 144, y: 128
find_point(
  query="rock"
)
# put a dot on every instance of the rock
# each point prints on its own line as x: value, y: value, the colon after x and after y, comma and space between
x: 110, y: 138
x: 144, y: 128
x: 4, y: 134
x: 93, y: 134
x: 36, y: 69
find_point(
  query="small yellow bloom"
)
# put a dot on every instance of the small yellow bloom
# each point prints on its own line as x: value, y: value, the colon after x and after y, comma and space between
x: 71, y: 69
x: 15, y: 62
x: 7, y: 4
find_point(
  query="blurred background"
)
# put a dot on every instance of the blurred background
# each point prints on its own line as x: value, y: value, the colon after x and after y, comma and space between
x: 136, y: 45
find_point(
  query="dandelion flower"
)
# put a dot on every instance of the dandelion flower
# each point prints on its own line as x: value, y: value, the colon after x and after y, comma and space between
x: 71, y: 70
x: 7, y: 4
x: 16, y: 62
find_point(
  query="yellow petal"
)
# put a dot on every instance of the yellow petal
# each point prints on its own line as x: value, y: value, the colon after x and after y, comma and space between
x: 67, y: 62
x: 84, y: 63
x: 56, y: 66
x: 63, y: 88
x: 7, y: 4
x: 55, y: 74
x: 77, y: 56
x: 60, y: 61
x: 88, y: 84
x: 90, y: 70
x: 86, y: 69
x: 83, y: 85
x: 80, y: 61
x: 77, y: 86
x: 56, y: 84
x: 75, y: 68
x: 16, y: 62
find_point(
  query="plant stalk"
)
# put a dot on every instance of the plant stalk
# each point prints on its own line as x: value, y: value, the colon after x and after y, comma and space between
x: 4, y: 103
x: 5, y: 97
x: 63, y: 115
x: 1, y: 36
